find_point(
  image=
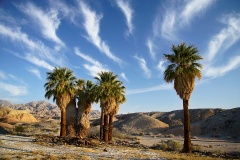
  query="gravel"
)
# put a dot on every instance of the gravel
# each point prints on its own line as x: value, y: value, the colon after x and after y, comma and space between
x: 12, y: 145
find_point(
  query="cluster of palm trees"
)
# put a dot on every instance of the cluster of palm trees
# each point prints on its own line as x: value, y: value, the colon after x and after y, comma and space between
x: 65, y: 89
x: 62, y: 85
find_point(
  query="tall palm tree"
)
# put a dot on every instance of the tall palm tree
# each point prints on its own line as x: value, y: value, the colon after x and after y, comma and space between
x: 86, y: 96
x: 183, y: 69
x: 108, y: 94
x: 61, y: 87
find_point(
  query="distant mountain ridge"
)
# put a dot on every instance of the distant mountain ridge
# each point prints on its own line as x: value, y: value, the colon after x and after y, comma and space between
x: 204, y: 122
x: 41, y: 109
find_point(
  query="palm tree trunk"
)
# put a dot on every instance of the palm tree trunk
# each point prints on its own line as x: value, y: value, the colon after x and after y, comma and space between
x: 187, y: 148
x: 63, y: 131
x: 105, y: 128
x: 101, y: 125
x: 110, y: 128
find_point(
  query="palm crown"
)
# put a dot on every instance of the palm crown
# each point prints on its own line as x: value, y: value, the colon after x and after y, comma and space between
x: 110, y: 91
x: 183, y: 68
x: 60, y: 84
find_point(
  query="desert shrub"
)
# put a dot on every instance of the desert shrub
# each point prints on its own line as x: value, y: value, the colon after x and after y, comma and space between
x: 169, y: 145
x: 210, y: 146
x: 19, y: 129
x: 93, y: 132
x: 120, y: 135
x: 197, y: 148
x: 159, y: 135
x: 141, y: 134
x: 169, y: 136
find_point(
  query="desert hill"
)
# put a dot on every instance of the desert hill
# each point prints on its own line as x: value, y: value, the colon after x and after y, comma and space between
x: 8, y: 115
x: 41, y: 109
x: 139, y: 123
x: 204, y: 122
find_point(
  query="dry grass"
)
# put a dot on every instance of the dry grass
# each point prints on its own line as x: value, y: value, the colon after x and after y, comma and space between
x: 183, y: 156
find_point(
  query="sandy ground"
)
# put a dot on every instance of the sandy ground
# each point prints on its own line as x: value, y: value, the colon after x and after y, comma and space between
x: 19, y: 147
x: 207, y: 144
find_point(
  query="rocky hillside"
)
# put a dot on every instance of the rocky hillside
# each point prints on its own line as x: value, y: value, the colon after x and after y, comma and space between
x: 8, y: 115
x: 41, y: 109
x: 139, y: 122
x: 204, y: 122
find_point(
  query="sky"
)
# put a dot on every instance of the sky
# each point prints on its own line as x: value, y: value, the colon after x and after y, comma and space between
x: 128, y: 38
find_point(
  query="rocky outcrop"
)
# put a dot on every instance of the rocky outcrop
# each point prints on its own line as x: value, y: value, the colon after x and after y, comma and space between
x: 13, y: 116
x: 42, y: 110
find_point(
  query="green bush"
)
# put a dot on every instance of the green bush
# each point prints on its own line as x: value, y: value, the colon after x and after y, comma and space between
x: 19, y: 129
x: 169, y: 145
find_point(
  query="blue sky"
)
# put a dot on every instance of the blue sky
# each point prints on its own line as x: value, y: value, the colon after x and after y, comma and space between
x: 126, y: 37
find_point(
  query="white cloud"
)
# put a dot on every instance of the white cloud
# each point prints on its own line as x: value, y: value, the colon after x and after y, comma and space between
x: 92, y: 27
x: 17, y: 35
x: 219, y: 45
x: 3, y: 76
x: 13, y: 89
x: 161, y: 66
x: 128, y: 13
x: 36, y: 48
x: 124, y: 77
x: 47, y: 20
x: 150, y: 44
x: 67, y: 11
x: 96, y: 66
x: 168, y: 27
x: 143, y: 66
x: 178, y: 15
x: 226, y: 37
x: 150, y: 89
x: 211, y: 71
x: 36, y: 72
x: 194, y: 8
x: 38, y: 62
x: 93, y: 69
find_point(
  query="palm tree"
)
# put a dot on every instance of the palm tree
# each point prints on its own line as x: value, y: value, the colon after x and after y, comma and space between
x: 109, y: 95
x: 183, y: 69
x: 86, y: 96
x: 61, y: 87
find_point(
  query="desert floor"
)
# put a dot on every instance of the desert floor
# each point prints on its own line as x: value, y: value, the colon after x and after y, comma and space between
x: 206, y: 144
x: 21, y: 147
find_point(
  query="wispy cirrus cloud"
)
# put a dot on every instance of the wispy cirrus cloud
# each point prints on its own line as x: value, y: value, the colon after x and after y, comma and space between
x: 193, y: 9
x: 219, y: 45
x: 151, y: 46
x: 14, y: 90
x: 233, y: 63
x: 33, y: 48
x: 177, y: 15
x: 143, y: 65
x: 35, y: 72
x: 3, y: 76
x: 226, y: 37
x: 67, y: 11
x: 38, y: 62
x: 161, y: 66
x: 95, y: 67
x: 128, y: 13
x: 48, y: 21
x: 149, y: 89
x: 92, y: 27
x: 124, y: 77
